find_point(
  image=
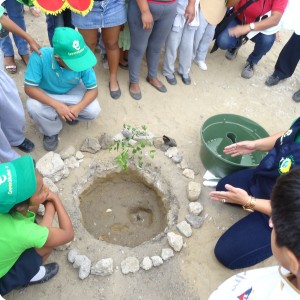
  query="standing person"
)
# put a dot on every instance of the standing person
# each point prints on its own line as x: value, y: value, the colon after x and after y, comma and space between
x: 290, y: 54
x: 61, y: 85
x: 260, y: 20
x: 247, y: 242
x: 181, y: 38
x: 150, y: 23
x: 15, y: 12
x: 24, y: 244
x: 12, y: 117
x: 109, y: 15
x: 278, y: 282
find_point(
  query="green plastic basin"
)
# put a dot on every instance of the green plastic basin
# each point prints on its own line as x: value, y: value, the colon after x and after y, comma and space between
x: 222, y: 130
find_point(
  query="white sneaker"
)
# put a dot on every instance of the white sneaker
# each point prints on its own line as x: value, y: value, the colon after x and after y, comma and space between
x: 202, y: 65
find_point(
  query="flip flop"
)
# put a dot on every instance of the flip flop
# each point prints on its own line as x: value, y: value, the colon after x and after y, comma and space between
x: 12, y: 69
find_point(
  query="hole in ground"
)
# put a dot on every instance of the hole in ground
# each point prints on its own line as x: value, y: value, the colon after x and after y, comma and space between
x: 122, y: 208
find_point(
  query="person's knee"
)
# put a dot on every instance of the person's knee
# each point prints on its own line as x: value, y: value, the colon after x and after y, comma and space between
x: 112, y: 46
x: 33, y: 107
x: 223, y: 256
x: 93, y: 110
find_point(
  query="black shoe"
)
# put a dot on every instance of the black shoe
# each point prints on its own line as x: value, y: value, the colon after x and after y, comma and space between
x: 296, y: 96
x: 73, y: 122
x: 161, y: 88
x: 51, y: 271
x: 27, y: 146
x: 171, y: 80
x: 272, y: 80
x: 231, y: 53
x: 135, y: 96
x: 50, y: 142
x: 248, y: 70
x: 115, y: 94
x: 186, y: 80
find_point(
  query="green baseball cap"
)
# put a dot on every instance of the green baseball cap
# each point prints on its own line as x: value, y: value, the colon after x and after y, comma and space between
x: 69, y: 45
x: 17, y: 182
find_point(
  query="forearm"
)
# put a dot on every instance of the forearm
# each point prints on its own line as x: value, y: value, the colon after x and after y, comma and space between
x: 267, y: 144
x: 39, y: 95
x: 269, y: 22
x: 48, y: 215
x: 143, y: 6
x: 263, y: 206
x: 88, y: 98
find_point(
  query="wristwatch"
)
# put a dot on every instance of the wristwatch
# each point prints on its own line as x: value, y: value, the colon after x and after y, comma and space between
x: 252, y: 26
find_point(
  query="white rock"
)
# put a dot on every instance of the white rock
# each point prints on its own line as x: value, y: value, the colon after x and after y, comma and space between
x: 188, y: 173
x: 50, y: 164
x: 172, y: 151
x: 103, y: 267
x: 146, y: 264
x: 195, y: 208
x: 175, y: 241
x: 157, y: 260
x: 61, y: 174
x: 67, y: 152
x: 185, y: 228
x: 72, y: 254
x: 167, y: 253
x: 193, y: 190
x: 71, y: 162
x: 52, y: 186
x: 183, y: 165
x: 84, y: 264
x: 79, y: 155
x: 177, y: 158
x: 130, y: 265
x: 119, y: 137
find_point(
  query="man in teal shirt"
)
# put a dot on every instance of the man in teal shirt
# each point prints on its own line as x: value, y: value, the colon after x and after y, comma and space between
x: 61, y: 85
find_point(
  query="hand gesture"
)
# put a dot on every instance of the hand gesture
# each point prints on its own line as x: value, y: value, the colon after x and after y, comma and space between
x: 147, y: 20
x: 240, y: 148
x: 65, y: 111
x: 232, y: 195
x: 239, y: 30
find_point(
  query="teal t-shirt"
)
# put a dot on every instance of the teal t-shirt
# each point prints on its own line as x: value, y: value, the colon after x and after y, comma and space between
x: 17, y: 234
x: 1, y: 13
x: 44, y: 72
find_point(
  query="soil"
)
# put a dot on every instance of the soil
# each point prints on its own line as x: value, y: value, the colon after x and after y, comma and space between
x: 194, y: 272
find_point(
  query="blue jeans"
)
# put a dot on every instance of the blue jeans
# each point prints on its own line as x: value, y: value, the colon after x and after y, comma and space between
x: 15, y: 13
x: 248, y: 241
x: 263, y: 42
x: 61, y: 20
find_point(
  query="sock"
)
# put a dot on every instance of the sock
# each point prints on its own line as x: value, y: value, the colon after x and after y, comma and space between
x: 39, y: 275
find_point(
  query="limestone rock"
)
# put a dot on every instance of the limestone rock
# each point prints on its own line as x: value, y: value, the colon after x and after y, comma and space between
x: 127, y: 133
x: 195, y: 208
x: 184, y: 228
x: 164, y: 147
x: 50, y: 164
x: 71, y: 162
x: 72, y: 254
x: 79, y: 155
x: 146, y: 264
x: 193, y: 190
x: 188, y: 173
x: 156, y: 260
x: 91, y: 145
x: 194, y: 221
x: 103, y: 267
x: 67, y: 152
x: 106, y: 141
x: 84, y: 264
x: 130, y: 265
x: 61, y: 174
x: 172, y: 151
x: 119, y: 137
x: 177, y: 158
x: 167, y: 253
x: 52, y: 186
x: 175, y: 241
x: 183, y: 164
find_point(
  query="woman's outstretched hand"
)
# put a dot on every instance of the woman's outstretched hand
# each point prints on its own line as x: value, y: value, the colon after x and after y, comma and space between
x: 240, y: 148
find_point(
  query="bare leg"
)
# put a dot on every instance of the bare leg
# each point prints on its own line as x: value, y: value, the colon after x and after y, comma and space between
x: 110, y: 38
x: 90, y: 37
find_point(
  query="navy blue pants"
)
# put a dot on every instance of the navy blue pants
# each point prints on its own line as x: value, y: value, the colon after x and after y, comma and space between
x: 27, y: 266
x: 248, y: 241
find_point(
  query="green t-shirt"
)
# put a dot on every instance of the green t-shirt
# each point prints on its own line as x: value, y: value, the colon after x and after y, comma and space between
x: 17, y: 234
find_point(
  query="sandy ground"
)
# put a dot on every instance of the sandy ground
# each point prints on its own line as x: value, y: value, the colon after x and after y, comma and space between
x: 193, y: 273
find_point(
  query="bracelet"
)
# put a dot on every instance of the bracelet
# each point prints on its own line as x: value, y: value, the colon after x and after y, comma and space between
x: 249, y: 206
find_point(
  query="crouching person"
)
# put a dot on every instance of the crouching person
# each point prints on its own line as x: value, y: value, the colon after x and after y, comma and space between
x: 24, y: 244
x: 61, y: 85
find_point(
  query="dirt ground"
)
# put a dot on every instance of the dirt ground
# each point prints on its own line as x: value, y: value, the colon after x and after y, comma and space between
x: 194, y: 272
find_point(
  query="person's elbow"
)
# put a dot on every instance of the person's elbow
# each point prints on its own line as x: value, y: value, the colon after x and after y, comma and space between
x: 275, y: 17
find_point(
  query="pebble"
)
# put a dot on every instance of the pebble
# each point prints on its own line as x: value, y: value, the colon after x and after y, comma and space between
x: 184, y: 228
x: 130, y: 265
x: 193, y: 190
x: 195, y: 208
x: 91, y: 145
x: 167, y: 253
x: 188, y: 173
x: 175, y: 241
x: 194, y: 221
x: 103, y: 267
x: 146, y: 264
x: 67, y: 152
x: 157, y: 260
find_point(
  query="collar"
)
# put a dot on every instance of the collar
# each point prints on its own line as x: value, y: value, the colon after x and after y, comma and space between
x: 285, y: 281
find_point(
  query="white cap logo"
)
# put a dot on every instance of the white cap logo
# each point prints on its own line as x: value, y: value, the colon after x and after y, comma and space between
x: 76, y: 45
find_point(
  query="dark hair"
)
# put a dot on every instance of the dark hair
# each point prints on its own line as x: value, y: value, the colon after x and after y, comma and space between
x: 14, y: 208
x: 285, y: 202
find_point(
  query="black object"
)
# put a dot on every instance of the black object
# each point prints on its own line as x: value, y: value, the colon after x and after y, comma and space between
x: 27, y: 146
x: 169, y: 141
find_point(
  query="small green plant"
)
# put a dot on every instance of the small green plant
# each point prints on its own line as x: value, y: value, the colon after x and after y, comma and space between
x: 132, y: 146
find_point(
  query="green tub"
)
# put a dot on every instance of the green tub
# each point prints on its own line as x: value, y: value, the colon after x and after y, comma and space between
x: 222, y: 130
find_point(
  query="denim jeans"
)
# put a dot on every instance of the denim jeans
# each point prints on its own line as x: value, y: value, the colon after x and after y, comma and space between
x: 61, y: 20
x: 248, y: 241
x: 263, y: 42
x: 15, y: 12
